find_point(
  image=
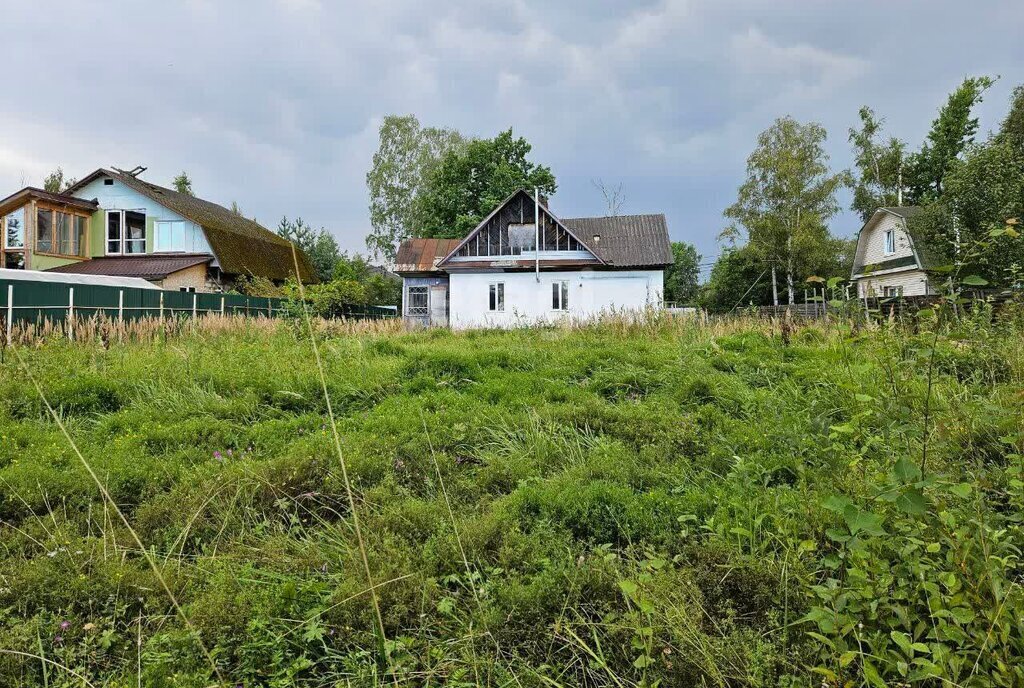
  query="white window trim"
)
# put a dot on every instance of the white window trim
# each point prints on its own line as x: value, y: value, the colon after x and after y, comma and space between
x: 499, y: 306
x: 408, y: 300
x: 124, y: 232
x: 563, y: 294
x: 890, y: 233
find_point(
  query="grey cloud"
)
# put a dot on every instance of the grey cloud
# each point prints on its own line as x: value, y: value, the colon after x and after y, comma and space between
x: 275, y: 104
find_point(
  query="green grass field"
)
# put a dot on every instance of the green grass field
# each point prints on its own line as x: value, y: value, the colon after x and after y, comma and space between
x: 657, y: 504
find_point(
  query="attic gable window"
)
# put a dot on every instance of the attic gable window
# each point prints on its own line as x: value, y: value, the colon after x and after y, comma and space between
x: 890, y: 242
x: 108, y: 182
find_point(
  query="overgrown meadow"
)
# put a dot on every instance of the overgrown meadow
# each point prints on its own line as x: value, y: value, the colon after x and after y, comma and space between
x: 735, y: 503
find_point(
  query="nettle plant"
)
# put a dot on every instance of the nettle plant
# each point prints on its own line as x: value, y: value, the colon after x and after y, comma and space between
x: 922, y: 580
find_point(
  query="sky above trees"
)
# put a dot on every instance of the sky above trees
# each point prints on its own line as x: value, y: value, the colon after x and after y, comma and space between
x: 276, y: 105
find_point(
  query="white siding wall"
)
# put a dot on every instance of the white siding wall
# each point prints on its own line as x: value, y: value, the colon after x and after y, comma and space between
x: 914, y: 283
x: 873, y: 245
x: 591, y: 292
x: 187, y: 235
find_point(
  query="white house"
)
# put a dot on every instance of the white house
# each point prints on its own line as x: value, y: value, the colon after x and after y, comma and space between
x: 497, y: 277
x: 888, y: 263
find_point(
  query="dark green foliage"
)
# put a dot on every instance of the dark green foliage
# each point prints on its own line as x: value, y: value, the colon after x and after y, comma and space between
x: 656, y: 504
x: 738, y: 279
x: 951, y: 133
x: 470, y: 181
x: 681, y: 278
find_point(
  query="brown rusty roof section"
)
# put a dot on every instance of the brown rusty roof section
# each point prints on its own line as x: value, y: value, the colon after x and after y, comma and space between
x: 422, y: 255
x: 150, y: 266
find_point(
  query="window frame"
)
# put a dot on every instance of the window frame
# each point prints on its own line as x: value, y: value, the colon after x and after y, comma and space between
x: 417, y: 310
x: 560, y: 296
x: 892, y: 291
x: 890, y: 242
x: 4, y: 246
x: 123, y: 240
x: 496, y: 297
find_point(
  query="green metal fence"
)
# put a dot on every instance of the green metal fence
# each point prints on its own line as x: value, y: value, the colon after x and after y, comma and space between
x: 28, y: 301
x: 36, y: 302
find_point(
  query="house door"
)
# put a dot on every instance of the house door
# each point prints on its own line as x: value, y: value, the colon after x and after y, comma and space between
x: 439, y: 305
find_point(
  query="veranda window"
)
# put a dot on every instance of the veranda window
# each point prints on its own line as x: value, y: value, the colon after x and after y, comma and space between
x: 417, y: 301
x: 44, y: 230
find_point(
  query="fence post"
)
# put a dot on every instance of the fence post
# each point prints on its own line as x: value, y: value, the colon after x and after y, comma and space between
x: 161, y: 306
x: 71, y: 313
x: 270, y: 313
x: 120, y: 305
x: 10, y: 311
x: 222, y: 305
x: 195, y: 299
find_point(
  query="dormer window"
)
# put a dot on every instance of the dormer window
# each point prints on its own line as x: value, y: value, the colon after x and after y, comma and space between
x: 890, y: 242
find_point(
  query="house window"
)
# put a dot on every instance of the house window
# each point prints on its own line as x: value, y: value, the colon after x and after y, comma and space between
x: 14, y: 229
x: 79, y: 235
x: 497, y: 297
x: 560, y: 296
x: 890, y: 242
x: 126, y: 231
x: 188, y: 290
x: 171, y: 235
x: 417, y: 301
x: 892, y: 292
x: 59, y: 233
x: 44, y: 230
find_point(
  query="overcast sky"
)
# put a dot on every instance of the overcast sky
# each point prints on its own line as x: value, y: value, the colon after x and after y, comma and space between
x: 276, y: 104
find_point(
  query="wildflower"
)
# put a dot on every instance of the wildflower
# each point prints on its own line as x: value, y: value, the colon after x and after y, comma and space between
x: 229, y: 452
x: 216, y: 455
x: 58, y: 639
x: 65, y: 625
x: 89, y: 626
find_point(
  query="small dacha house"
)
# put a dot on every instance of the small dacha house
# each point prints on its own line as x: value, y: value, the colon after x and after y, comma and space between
x: 524, y: 265
x: 888, y: 262
x: 114, y: 223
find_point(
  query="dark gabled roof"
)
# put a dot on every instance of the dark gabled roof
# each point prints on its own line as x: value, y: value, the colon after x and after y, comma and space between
x: 904, y: 211
x: 626, y: 240
x: 622, y: 241
x: 148, y: 266
x: 423, y: 255
x: 242, y: 246
x: 29, y: 193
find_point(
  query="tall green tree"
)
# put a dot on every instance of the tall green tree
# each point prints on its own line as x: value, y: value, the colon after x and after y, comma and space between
x: 879, y: 178
x: 405, y: 156
x: 318, y: 244
x: 785, y: 202
x: 738, y: 278
x: 56, y: 182
x: 983, y: 189
x: 182, y: 184
x: 950, y: 134
x: 470, y: 181
x: 682, y: 276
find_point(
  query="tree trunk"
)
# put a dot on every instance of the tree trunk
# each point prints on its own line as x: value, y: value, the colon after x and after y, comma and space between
x: 775, y: 287
x: 789, y: 282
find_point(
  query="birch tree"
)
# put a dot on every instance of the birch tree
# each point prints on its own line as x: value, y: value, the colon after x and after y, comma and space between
x: 784, y: 204
x: 405, y: 156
